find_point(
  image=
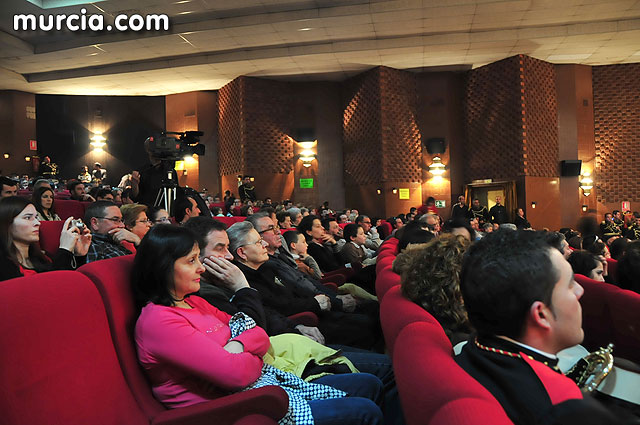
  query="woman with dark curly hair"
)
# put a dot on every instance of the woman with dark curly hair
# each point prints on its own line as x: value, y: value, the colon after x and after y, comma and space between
x: 430, y: 277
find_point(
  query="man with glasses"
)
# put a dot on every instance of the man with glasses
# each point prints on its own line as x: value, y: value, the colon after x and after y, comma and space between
x: 373, y: 241
x: 108, y: 232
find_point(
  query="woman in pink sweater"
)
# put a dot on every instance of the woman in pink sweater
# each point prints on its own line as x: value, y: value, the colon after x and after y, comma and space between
x: 184, y: 344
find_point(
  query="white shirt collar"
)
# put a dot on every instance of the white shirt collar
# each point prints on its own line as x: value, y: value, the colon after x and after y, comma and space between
x: 528, y: 347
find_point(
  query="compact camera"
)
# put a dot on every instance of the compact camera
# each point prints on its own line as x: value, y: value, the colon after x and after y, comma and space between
x: 77, y: 223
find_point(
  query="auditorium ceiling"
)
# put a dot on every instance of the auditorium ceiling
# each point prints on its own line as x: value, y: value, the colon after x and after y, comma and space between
x: 211, y: 42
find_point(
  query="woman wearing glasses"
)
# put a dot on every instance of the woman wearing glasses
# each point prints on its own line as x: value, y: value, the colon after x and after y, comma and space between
x: 135, y: 219
x: 159, y: 215
x: 20, y: 254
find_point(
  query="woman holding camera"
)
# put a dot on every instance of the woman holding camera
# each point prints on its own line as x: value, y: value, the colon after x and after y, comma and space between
x: 20, y: 253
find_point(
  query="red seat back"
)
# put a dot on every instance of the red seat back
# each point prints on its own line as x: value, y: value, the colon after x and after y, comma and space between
x: 111, y: 277
x: 433, y: 388
x: 50, y: 236
x: 396, y: 312
x: 610, y: 315
x: 69, y: 208
x: 228, y: 221
x: 57, y: 362
x: 612, y: 269
x: 385, y: 229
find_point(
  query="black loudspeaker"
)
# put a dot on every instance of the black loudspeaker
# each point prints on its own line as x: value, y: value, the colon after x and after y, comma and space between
x: 570, y: 167
x: 435, y: 145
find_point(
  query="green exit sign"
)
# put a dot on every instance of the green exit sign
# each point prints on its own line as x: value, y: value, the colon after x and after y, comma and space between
x: 441, y: 204
x: 306, y: 183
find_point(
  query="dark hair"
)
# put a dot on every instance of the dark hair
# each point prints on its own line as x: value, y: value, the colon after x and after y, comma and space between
x: 306, y: 224
x: 575, y: 242
x: 503, y: 274
x: 618, y: 247
x: 282, y: 216
x: 457, y: 223
x: 326, y: 222
x: 360, y: 219
x: 10, y: 208
x: 583, y: 262
x: 71, y: 185
x: 126, y: 193
x: 430, y: 201
x: 291, y: 237
x: 180, y: 207
x: 350, y: 231
x: 202, y: 226
x: 215, y: 211
x: 555, y: 239
x: 102, y: 193
x: 97, y: 209
x: 4, y: 180
x: 152, y: 272
x: 36, y: 199
x: 593, y: 244
x: 629, y: 268
x: 153, y: 212
x: 412, y: 233
x: 588, y: 226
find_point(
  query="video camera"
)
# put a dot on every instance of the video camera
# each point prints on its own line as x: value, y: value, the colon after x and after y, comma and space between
x: 167, y: 148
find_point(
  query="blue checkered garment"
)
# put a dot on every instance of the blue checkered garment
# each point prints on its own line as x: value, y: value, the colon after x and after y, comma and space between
x: 299, y: 391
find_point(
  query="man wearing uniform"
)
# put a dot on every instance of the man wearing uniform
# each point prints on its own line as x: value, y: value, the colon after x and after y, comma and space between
x: 460, y: 210
x: 633, y: 232
x: 617, y: 218
x: 247, y: 190
x: 609, y: 228
x: 480, y: 212
x: 498, y: 212
x: 514, y: 352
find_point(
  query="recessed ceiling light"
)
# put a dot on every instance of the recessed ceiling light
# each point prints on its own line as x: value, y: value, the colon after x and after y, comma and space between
x: 305, y: 29
x: 185, y: 13
x: 182, y: 2
x: 92, y: 54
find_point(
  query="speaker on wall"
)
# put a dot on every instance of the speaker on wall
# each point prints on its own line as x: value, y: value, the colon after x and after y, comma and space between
x: 570, y: 167
x: 435, y: 145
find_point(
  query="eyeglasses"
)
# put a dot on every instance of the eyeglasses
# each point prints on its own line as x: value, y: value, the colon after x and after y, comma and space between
x: 116, y: 220
x: 272, y: 228
x: 258, y: 242
x: 162, y: 220
x: 145, y: 221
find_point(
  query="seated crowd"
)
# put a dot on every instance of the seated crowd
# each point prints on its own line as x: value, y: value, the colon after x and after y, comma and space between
x: 216, y: 300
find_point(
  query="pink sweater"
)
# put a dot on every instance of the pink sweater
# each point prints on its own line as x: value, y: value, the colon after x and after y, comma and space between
x: 181, y: 351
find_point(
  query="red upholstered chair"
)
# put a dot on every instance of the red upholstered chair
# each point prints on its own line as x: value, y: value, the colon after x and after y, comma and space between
x: 433, y: 389
x: 396, y: 312
x: 69, y: 208
x: 306, y: 318
x: 385, y: 229
x: 219, y: 205
x: 610, y: 314
x: 239, y: 218
x: 111, y: 277
x: 384, y: 262
x: 57, y: 363
x: 342, y: 225
x: 385, y: 281
x: 50, y: 236
x: 228, y: 221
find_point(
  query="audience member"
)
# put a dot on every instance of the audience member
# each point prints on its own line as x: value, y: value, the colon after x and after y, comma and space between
x: 460, y: 209
x: 629, y: 268
x: 159, y: 215
x: 41, y: 183
x: 247, y: 190
x: 459, y: 227
x: 522, y: 300
x: 104, y: 219
x: 104, y: 195
x: 521, y: 221
x: 125, y: 196
x: 372, y: 238
x: 76, y: 188
x: 135, y: 219
x: 284, y: 219
x: 431, y: 222
x: 480, y: 212
x: 353, y: 252
x: 586, y: 264
x: 296, y: 216
x: 42, y: 199
x: 413, y: 233
x: 9, y: 187
x: 20, y: 253
x: 185, y: 208
x: 297, y: 246
x: 84, y: 176
x: 498, y: 212
x: 430, y: 277
x: 618, y: 247
x: 558, y: 241
x: 331, y: 226
x: 98, y: 174
x: 322, y: 246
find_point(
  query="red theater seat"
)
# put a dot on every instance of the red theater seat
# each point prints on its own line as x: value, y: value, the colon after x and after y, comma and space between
x: 610, y: 315
x: 433, y: 389
x: 228, y: 221
x: 385, y: 229
x: 57, y: 363
x: 69, y: 208
x: 396, y: 312
x: 50, y: 236
x: 612, y: 269
x: 111, y: 277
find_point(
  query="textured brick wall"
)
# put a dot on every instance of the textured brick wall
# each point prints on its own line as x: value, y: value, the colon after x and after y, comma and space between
x: 616, y: 104
x: 362, y: 131
x: 511, y: 118
x: 401, y: 141
x: 540, y: 117
x: 231, y: 128
x: 268, y: 147
x: 493, y: 118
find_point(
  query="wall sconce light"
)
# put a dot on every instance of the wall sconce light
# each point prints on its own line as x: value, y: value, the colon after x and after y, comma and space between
x: 437, y: 168
x: 585, y: 208
x: 394, y: 190
x: 307, y: 157
x: 586, y: 184
x: 6, y: 155
x: 98, y: 141
x: 533, y: 204
x: 252, y: 179
x: 379, y: 191
x: 27, y: 158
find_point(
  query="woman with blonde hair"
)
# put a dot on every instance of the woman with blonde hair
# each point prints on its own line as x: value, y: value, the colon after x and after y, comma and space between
x: 430, y: 277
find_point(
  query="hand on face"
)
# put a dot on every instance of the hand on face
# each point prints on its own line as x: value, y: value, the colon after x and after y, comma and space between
x: 121, y: 234
x: 226, y: 272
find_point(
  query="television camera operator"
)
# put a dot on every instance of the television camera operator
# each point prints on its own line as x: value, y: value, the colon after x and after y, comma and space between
x: 157, y: 182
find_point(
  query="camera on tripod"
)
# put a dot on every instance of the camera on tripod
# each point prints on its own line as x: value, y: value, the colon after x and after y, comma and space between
x: 167, y: 148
